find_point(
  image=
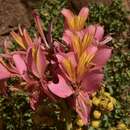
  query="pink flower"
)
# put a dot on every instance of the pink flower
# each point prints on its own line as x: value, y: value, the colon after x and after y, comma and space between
x: 81, y: 68
x: 78, y: 79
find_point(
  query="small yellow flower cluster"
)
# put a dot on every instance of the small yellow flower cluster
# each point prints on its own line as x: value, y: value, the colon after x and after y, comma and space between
x: 103, y: 100
x: 120, y: 126
x: 96, y: 123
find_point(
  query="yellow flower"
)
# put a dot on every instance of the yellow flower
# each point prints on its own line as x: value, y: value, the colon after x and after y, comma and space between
x: 110, y: 106
x: 79, y: 122
x: 96, y: 123
x: 97, y: 114
x: 95, y: 101
x: 121, y: 126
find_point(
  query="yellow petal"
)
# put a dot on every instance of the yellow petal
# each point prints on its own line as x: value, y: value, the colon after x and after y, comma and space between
x: 71, y: 23
x: 87, y: 39
x: 76, y: 45
x: 84, y: 61
x: 81, y: 22
x: 69, y: 69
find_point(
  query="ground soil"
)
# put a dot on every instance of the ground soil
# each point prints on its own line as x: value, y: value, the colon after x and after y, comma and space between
x: 14, y: 12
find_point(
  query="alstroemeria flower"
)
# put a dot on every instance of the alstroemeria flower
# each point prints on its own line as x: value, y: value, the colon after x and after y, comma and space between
x: 76, y: 22
x: 81, y: 67
x: 77, y: 82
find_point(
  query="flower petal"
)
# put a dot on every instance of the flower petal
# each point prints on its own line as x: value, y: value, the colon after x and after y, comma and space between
x: 67, y: 14
x: 4, y: 73
x: 85, y: 60
x: 20, y: 64
x: 18, y: 39
x: 61, y: 89
x: 27, y: 38
x: 67, y: 63
x: 99, y: 33
x: 67, y: 37
x: 84, y: 12
x: 83, y: 107
x: 41, y: 62
x: 102, y: 56
x: 91, y: 81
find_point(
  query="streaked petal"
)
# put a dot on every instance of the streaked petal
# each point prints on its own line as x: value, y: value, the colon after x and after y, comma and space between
x: 67, y: 64
x: 60, y: 89
x: 88, y: 36
x: 27, y: 38
x: 18, y: 39
x: 83, y: 107
x: 85, y: 60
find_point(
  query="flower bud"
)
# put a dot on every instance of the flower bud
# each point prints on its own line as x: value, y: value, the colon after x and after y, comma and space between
x: 96, y: 124
x: 103, y: 104
x: 121, y: 126
x: 106, y: 94
x: 79, y: 122
x: 97, y: 114
x: 110, y: 106
x: 113, y: 100
x: 95, y: 101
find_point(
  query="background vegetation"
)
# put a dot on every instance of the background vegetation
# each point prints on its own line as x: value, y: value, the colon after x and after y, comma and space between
x: 15, y: 113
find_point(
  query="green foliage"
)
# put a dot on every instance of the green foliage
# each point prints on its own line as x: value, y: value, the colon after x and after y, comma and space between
x: 112, y: 17
x: 15, y: 111
x: 51, y: 12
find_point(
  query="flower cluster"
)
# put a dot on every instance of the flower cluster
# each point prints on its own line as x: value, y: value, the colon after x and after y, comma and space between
x: 46, y: 70
x: 103, y: 100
